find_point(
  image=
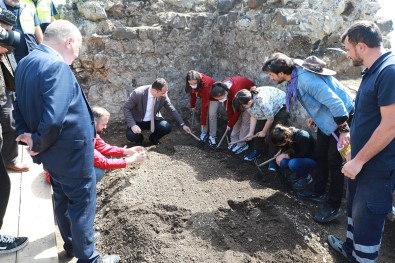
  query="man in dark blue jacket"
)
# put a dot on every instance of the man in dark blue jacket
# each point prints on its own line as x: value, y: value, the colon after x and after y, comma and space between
x: 54, y: 119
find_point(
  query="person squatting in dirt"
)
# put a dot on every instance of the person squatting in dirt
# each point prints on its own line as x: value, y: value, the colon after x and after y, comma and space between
x: 103, y: 151
x: 141, y: 112
x: 297, y: 154
x: 266, y: 108
x: 225, y: 91
x: 330, y: 107
x: 199, y: 85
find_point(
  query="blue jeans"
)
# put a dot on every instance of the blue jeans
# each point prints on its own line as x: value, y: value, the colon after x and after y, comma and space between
x: 99, y: 173
x: 300, y: 166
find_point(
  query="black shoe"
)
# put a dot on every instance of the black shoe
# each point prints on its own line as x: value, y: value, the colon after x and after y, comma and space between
x: 109, y: 259
x: 292, y: 178
x: 302, y: 183
x: 311, y: 196
x: 154, y: 141
x: 327, y: 214
x: 69, y: 252
x: 9, y: 244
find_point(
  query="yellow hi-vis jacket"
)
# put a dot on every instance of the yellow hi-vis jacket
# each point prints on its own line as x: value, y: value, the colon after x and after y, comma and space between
x: 26, y: 19
x: 43, y: 9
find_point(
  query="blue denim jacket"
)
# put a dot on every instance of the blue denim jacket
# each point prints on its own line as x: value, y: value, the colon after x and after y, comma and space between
x: 324, y: 98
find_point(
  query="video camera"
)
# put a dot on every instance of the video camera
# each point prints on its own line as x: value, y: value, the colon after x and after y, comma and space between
x: 9, y: 38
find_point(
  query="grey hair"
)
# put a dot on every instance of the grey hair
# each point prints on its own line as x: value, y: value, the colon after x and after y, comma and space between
x: 59, y: 30
x: 99, y: 112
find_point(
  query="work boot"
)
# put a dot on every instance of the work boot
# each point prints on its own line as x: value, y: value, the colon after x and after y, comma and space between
x: 327, y: 214
x: 338, y: 245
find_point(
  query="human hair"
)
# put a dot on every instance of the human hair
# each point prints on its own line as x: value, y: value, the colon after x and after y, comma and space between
x: 99, y: 112
x: 159, y: 83
x: 282, y: 135
x: 218, y: 89
x: 193, y: 75
x: 242, y: 98
x: 60, y: 30
x: 365, y: 32
x: 279, y: 62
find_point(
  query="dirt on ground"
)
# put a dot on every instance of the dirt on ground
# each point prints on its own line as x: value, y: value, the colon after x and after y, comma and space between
x: 191, y: 203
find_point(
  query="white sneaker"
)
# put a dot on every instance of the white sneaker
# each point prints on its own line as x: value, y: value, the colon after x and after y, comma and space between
x: 203, y: 136
x: 212, y: 141
x: 236, y: 148
x: 242, y: 149
x: 231, y: 146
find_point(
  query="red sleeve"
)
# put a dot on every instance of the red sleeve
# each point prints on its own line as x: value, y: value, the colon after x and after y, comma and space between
x: 205, y: 96
x: 238, y: 84
x: 233, y: 116
x: 106, y: 149
x: 105, y: 163
x: 192, y: 95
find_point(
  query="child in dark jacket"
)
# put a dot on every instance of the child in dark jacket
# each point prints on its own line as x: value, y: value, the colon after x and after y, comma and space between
x: 297, y: 150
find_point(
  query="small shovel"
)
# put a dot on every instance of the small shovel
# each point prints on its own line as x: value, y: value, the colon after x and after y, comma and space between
x: 194, y: 136
x: 222, y: 138
x: 242, y: 140
x: 258, y: 166
x: 193, y: 120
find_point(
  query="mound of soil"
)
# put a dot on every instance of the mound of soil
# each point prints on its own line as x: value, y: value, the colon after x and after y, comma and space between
x: 190, y: 203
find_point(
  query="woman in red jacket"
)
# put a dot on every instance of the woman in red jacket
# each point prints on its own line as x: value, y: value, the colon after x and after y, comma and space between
x: 225, y: 91
x: 199, y: 85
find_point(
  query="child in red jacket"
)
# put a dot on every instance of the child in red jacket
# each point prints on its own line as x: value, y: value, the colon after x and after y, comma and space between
x: 199, y: 85
x: 225, y: 91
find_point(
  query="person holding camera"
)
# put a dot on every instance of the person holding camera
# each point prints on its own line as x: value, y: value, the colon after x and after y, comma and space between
x: 8, y: 244
x: 28, y: 25
x: 8, y: 145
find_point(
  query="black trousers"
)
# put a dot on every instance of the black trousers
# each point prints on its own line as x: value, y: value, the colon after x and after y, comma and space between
x: 5, y: 188
x: 162, y: 127
x: 330, y: 163
x: 8, y: 145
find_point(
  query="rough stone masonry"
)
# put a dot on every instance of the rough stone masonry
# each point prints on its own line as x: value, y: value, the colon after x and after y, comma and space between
x: 129, y: 43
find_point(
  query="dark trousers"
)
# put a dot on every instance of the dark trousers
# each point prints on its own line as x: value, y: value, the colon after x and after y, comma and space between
x: 5, y: 188
x: 8, y: 145
x: 75, y: 206
x: 330, y: 163
x: 162, y: 127
x: 282, y: 117
x: 369, y: 200
x: 300, y: 166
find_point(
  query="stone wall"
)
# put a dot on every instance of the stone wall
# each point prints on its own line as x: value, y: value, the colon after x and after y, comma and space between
x: 129, y: 43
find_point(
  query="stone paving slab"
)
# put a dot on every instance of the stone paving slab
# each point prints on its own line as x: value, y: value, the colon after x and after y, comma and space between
x: 30, y: 213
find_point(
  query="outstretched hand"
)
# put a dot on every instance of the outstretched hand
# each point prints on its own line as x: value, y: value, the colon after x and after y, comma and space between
x: 136, y: 158
x: 133, y: 150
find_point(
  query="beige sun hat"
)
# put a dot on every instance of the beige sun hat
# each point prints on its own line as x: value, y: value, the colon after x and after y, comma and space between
x: 315, y: 65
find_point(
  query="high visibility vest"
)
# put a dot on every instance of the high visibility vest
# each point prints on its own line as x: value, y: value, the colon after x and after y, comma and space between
x: 26, y: 19
x: 43, y: 9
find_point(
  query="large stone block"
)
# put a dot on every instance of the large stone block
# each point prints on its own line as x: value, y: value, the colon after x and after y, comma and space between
x: 92, y: 10
x: 125, y: 33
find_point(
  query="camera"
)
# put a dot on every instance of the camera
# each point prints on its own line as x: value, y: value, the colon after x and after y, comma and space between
x: 9, y: 38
